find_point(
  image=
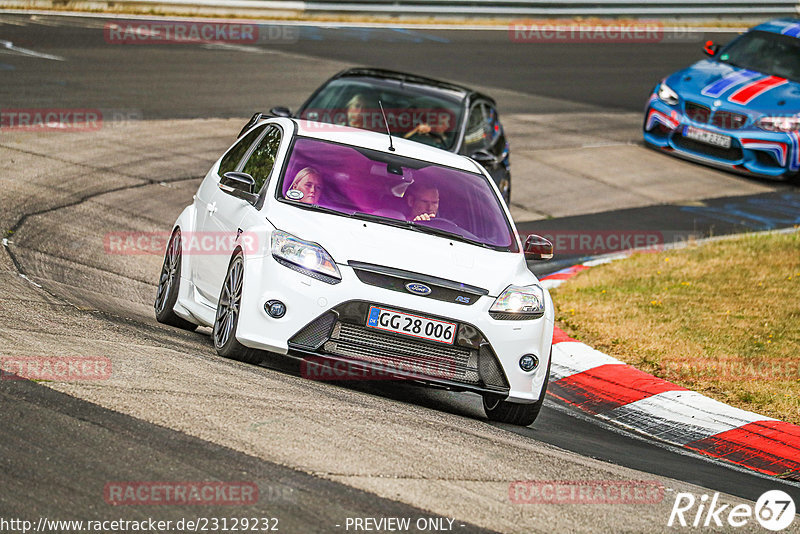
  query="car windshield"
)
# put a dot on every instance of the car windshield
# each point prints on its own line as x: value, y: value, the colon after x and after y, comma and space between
x: 413, y: 111
x: 395, y: 190
x: 770, y: 53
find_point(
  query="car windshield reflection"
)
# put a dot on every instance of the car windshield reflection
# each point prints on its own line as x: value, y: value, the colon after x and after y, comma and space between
x: 397, y: 191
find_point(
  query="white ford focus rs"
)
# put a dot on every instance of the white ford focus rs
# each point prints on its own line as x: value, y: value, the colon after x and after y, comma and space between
x: 333, y: 244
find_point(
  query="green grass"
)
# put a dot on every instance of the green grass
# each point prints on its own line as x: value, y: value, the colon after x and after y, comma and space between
x: 722, y: 318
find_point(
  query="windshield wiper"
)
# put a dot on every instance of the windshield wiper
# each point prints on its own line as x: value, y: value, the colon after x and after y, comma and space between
x: 419, y: 228
x: 445, y: 233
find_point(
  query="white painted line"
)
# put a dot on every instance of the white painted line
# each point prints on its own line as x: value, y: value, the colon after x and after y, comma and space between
x: 8, y: 45
x: 571, y: 358
x: 30, y: 281
x: 681, y: 417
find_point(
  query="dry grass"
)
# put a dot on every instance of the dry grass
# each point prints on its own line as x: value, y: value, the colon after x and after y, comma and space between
x: 722, y: 319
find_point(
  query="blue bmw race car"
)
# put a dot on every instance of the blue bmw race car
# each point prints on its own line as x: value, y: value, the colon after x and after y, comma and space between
x: 739, y: 109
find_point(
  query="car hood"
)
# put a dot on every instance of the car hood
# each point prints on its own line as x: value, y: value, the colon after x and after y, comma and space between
x: 696, y: 83
x: 348, y: 239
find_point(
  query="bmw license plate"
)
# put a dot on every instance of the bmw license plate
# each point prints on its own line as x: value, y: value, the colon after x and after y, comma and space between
x: 704, y: 136
x: 411, y: 325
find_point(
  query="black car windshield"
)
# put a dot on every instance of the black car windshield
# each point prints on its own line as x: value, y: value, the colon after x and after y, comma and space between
x: 770, y: 53
x: 397, y: 191
x: 413, y: 111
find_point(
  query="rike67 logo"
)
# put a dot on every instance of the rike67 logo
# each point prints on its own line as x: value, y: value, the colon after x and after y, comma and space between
x: 774, y: 511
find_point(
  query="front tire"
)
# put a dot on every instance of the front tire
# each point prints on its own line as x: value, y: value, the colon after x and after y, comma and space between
x: 169, y: 284
x: 514, y: 413
x: 227, y: 317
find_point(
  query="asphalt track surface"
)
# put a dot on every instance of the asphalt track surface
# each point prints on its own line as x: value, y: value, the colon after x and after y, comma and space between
x: 165, y: 82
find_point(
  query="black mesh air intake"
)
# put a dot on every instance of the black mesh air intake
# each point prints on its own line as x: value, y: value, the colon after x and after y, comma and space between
x: 315, y: 333
x: 489, y: 369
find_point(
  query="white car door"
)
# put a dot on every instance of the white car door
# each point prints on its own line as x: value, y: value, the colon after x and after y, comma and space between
x: 217, y: 223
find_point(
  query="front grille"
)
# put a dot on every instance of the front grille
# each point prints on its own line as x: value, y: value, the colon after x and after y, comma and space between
x: 728, y: 120
x: 734, y: 153
x: 397, y: 279
x: 411, y: 356
x: 697, y: 112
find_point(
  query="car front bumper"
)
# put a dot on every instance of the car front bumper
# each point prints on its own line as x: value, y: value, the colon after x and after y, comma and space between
x: 753, y: 151
x: 328, y: 321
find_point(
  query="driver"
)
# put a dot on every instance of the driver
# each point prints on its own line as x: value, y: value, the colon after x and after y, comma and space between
x: 438, y: 130
x: 423, y: 201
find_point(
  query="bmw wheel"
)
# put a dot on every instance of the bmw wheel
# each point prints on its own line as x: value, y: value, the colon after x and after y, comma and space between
x: 227, y: 318
x: 168, y: 285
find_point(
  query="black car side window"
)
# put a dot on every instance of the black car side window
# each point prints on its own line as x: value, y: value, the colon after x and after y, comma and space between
x: 476, y: 136
x: 262, y: 159
x: 230, y: 161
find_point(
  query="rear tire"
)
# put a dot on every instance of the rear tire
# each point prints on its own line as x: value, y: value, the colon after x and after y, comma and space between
x: 514, y: 413
x: 169, y: 284
x: 227, y: 317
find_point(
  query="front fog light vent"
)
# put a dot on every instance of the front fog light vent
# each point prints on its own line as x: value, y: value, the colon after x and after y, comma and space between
x: 528, y: 363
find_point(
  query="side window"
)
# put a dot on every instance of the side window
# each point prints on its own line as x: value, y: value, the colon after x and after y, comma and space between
x: 262, y: 159
x: 232, y: 158
x: 476, y: 136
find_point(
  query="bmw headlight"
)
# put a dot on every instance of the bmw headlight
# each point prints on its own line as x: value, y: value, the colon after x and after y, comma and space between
x: 779, y: 124
x: 304, y: 256
x: 667, y: 95
x: 518, y: 302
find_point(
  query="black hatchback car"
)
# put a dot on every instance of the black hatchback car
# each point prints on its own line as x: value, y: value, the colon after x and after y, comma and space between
x: 437, y: 113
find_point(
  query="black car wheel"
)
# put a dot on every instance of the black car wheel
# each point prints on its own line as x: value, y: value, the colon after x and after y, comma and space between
x: 169, y: 284
x: 227, y: 317
x: 514, y: 413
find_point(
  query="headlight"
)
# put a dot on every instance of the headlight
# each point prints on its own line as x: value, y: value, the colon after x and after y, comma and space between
x: 667, y: 95
x: 518, y: 302
x: 779, y: 124
x: 303, y: 256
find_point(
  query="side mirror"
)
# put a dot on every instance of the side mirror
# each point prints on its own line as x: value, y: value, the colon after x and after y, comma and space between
x: 280, y: 111
x: 239, y: 185
x: 484, y: 158
x: 538, y: 248
x: 710, y: 49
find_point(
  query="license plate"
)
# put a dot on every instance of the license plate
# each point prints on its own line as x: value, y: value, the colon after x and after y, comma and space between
x: 704, y: 136
x: 411, y: 325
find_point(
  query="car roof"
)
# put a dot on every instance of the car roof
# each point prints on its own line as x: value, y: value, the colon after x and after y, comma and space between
x: 380, y: 142
x: 404, y: 77
x: 788, y: 25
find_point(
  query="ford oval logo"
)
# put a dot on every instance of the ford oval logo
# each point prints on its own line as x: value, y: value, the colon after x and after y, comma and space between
x: 417, y: 288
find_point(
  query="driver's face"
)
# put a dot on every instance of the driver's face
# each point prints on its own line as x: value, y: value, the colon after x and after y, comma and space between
x: 426, y: 201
